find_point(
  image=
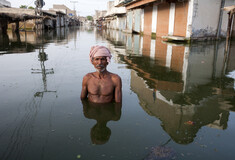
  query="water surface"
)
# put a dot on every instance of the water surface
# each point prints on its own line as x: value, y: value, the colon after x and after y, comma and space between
x: 175, y: 97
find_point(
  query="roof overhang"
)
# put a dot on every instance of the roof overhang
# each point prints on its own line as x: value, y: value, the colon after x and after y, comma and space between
x: 138, y: 3
x: 230, y: 9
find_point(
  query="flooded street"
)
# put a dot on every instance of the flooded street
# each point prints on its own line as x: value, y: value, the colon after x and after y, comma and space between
x: 178, y: 100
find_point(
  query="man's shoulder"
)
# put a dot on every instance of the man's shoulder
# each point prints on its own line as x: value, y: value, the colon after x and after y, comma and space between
x: 115, y: 76
x: 87, y: 76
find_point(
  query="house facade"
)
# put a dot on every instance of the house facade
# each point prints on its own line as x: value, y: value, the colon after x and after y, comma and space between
x: 64, y: 9
x: 115, y: 16
x: 177, y: 19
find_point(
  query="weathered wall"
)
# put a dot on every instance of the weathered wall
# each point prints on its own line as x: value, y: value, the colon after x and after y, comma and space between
x: 114, y: 23
x: 129, y: 20
x: 58, y: 21
x: 62, y: 21
x: 30, y: 24
x: 148, y: 19
x: 181, y: 15
x: 205, y: 18
x: 5, y: 3
x: 122, y: 23
x: 163, y: 19
x: 137, y: 20
x: 48, y: 22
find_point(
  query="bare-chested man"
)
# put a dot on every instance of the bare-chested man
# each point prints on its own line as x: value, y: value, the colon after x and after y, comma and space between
x: 101, y: 86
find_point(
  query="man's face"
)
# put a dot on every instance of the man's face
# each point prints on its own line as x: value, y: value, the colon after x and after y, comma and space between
x: 100, y: 63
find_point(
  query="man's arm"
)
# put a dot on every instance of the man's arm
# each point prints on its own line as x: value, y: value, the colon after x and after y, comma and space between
x: 118, y: 89
x: 84, y: 91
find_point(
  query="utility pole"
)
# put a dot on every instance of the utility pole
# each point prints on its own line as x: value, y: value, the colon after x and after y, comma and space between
x: 74, y: 7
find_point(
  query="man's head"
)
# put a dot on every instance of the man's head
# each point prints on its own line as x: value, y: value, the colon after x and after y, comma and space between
x: 100, y: 57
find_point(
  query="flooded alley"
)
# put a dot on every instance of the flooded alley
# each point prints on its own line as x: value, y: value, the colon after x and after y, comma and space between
x: 178, y: 99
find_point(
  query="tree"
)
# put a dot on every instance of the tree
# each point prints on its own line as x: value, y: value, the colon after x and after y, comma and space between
x: 30, y: 7
x: 89, y: 18
x: 23, y: 6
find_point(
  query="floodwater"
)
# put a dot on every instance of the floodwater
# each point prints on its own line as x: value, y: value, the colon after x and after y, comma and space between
x: 178, y: 100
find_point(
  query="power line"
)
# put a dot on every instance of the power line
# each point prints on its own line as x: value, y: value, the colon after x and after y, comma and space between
x: 74, y: 6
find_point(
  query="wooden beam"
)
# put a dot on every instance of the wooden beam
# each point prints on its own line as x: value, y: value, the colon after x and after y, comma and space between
x: 17, y: 27
x: 230, y: 19
x: 3, y: 26
x: 139, y: 3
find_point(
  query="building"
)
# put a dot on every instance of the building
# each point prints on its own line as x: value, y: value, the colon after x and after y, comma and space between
x: 4, y: 3
x: 72, y: 18
x: 64, y: 9
x: 116, y: 16
x: 177, y: 19
x: 99, y: 17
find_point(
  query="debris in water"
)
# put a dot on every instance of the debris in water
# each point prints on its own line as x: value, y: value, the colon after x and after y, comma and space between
x: 161, y: 153
x: 189, y: 123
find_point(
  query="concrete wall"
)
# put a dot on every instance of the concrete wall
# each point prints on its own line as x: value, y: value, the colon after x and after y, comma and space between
x: 205, y: 18
x: 163, y: 19
x: 181, y: 15
x: 58, y: 21
x: 148, y: 10
x: 121, y: 23
x: 129, y: 21
x: 5, y: 3
x: 62, y: 21
x: 137, y: 20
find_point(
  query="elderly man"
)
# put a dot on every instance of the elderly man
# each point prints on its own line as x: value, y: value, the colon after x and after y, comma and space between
x: 101, y: 86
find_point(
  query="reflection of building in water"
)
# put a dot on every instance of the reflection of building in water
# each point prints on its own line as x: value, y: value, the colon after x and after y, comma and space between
x: 177, y: 83
x: 174, y: 116
x: 204, y: 60
x: 24, y: 42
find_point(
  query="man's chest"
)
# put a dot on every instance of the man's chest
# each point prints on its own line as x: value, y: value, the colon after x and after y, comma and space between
x: 102, y: 87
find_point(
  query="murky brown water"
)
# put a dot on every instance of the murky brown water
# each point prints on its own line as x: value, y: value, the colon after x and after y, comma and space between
x: 178, y: 101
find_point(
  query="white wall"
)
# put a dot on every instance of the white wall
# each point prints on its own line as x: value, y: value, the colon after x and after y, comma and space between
x: 5, y: 3
x: 111, y: 9
x: 205, y: 17
x: 171, y: 19
x: 154, y: 19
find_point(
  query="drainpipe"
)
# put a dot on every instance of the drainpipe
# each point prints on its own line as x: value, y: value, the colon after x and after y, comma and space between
x: 220, y: 19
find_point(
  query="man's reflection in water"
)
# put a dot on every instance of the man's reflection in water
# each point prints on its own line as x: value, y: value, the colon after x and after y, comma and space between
x: 102, y: 113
